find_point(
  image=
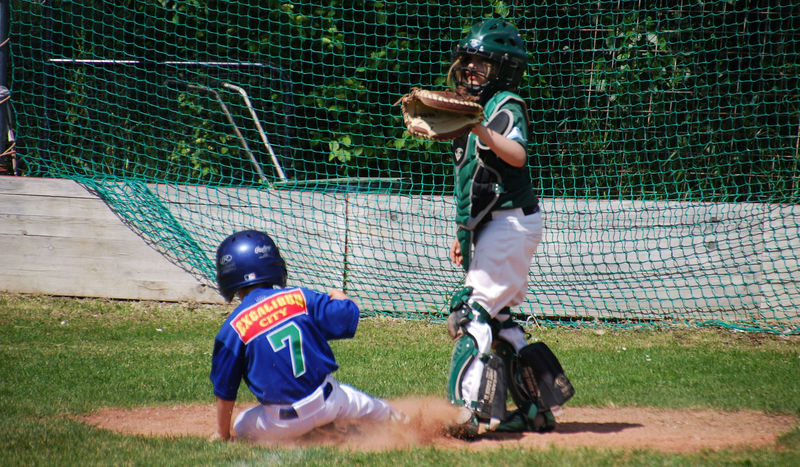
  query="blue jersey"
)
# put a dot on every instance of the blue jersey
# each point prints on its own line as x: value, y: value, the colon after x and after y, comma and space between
x: 277, y: 341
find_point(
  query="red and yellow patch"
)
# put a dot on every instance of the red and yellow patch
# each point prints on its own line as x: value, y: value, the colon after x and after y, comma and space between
x: 253, y: 321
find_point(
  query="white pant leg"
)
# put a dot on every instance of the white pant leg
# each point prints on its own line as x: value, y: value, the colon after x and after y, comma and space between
x: 259, y: 423
x: 263, y: 423
x: 498, y: 273
x: 471, y: 380
x: 514, y: 336
x: 353, y: 404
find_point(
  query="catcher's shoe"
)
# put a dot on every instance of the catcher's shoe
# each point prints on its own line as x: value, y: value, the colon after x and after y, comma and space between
x: 540, y: 421
x: 543, y: 422
x: 515, y: 422
x: 518, y: 421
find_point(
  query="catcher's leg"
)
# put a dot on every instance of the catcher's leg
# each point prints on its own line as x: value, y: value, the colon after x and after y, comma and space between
x: 512, y: 347
x: 531, y: 413
x: 477, y: 379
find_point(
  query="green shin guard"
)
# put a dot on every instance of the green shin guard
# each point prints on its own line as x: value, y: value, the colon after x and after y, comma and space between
x: 489, y: 410
x: 531, y: 415
x: 464, y: 352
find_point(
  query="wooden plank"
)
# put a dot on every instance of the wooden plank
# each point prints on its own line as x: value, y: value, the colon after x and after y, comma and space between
x: 29, y: 205
x: 123, y: 287
x: 307, y: 226
x: 398, y: 252
x: 43, y: 187
x: 640, y: 255
x: 62, y: 226
x: 57, y: 238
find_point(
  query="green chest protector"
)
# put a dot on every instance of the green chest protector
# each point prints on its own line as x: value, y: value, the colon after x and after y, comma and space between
x: 481, y: 176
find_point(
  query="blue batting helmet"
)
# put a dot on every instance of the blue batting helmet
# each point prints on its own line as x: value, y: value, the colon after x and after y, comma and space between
x: 248, y: 258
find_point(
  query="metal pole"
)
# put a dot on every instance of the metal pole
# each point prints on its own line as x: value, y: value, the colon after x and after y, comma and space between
x: 48, y: 101
x: 287, y: 90
x: 228, y: 115
x: 6, y: 134
x: 261, y: 132
x: 5, y: 54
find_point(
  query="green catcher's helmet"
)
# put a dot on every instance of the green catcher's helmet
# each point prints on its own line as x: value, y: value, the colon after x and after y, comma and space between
x: 498, y: 42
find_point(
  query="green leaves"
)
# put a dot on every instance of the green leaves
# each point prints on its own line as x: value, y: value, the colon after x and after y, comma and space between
x: 621, y: 95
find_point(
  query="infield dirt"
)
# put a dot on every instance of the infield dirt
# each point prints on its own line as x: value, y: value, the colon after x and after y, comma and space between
x: 620, y: 427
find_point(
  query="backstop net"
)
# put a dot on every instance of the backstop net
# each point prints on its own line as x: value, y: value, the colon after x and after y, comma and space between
x: 665, y: 144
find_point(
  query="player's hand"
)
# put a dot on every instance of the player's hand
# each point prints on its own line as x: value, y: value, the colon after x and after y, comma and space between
x: 337, y: 294
x: 455, y: 252
x: 216, y: 437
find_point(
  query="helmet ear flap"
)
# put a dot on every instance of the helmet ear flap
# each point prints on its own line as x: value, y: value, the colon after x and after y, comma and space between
x: 455, y: 74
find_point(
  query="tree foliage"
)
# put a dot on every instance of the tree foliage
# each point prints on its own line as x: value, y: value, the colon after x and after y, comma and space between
x: 628, y: 99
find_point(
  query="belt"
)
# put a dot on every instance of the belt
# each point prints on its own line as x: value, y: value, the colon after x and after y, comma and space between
x: 289, y: 413
x: 528, y: 210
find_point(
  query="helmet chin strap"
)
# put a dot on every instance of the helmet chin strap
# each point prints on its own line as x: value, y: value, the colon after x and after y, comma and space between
x: 474, y: 89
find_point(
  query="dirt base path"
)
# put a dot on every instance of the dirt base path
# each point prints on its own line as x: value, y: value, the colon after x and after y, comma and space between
x: 659, y: 429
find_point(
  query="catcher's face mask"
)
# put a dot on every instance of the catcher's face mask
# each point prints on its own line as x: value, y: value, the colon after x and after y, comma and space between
x: 472, y: 73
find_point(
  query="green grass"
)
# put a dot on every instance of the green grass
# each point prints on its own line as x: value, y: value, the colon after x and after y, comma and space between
x: 64, y: 357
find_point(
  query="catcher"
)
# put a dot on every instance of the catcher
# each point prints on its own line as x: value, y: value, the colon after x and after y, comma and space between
x: 499, y: 226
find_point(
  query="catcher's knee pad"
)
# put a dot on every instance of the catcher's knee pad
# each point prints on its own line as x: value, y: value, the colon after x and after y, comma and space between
x: 462, y: 312
x: 457, y: 322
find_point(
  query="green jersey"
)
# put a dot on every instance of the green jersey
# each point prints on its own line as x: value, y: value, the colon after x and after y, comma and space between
x: 484, y: 182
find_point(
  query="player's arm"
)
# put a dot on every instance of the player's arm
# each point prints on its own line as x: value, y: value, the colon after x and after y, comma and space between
x: 224, y: 412
x: 510, y: 151
x: 336, y: 314
x: 226, y: 374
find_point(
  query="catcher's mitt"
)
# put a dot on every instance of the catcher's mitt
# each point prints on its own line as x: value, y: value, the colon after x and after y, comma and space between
x: 439, y: 115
